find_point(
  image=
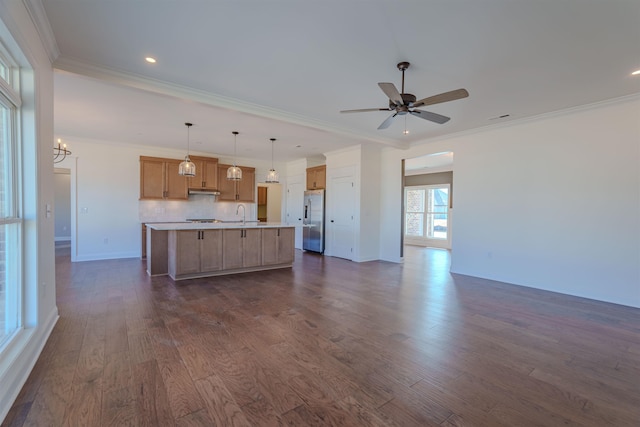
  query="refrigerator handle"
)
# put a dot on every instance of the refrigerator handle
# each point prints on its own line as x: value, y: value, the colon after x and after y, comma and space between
x: 306, y: 209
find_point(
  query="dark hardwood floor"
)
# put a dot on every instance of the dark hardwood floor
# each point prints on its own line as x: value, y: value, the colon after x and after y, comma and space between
x: 329, y: 342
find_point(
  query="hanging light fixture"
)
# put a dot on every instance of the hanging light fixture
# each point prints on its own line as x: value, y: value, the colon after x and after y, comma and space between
x: 60, y: 152
x: 234, y: 173
x: 272, y: 176
x: 187, y: 168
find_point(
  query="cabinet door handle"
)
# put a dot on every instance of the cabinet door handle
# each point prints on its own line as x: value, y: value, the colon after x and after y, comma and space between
x: 278, y: 232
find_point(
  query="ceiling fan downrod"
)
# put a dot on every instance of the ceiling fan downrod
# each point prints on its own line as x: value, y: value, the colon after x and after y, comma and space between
x: 402, y: 66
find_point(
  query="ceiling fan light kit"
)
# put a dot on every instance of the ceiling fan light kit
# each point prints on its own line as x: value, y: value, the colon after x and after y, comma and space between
x: 402, y: 103
x: 187, y: 168
x: 234, y: 173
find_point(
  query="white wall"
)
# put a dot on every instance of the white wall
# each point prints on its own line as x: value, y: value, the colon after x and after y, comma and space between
x: 294, y: 196
x: 18, y: 32
x: 369, y: 224
x: 551, y: 203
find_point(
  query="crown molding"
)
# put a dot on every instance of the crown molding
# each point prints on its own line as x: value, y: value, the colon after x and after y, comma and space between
x: 165, y: 88
x: 41, y: 22
x: 531, y: 119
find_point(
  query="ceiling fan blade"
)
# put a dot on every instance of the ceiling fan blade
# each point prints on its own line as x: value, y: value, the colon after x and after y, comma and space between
x: 365, y: 110
x: 387, y: 122
x: 432, y: 117
x: 443, y: 97
x: 390, y: 90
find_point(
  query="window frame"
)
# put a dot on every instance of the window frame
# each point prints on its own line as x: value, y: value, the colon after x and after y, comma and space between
x: 424, y: 240
x: 12, y: 217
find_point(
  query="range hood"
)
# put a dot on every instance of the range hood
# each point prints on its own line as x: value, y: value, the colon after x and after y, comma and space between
x: 205, y: 192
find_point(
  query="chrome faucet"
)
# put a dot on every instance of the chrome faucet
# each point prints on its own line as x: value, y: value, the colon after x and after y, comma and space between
x: 243, y: 212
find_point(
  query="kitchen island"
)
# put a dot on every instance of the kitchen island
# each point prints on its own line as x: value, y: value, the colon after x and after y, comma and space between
x: 190, y: 250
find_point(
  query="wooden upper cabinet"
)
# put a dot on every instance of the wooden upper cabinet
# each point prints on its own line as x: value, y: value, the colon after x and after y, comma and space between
x: 226, y: 188
x: 317, y: 177
x: 206, y: 177
x: 159, y: 179
x: 237, y: 191
x: 247, y: 185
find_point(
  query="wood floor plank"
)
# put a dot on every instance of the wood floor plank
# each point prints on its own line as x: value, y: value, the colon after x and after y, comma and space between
x: 119, y: 408
x: 222, y: 407
x: 262, y: 413
x: 51, y: 400
x: 85, y: 405
x: 329, y: 342
x: 152, y: 402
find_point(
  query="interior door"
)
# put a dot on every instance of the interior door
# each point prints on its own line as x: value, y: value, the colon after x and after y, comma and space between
x: 341, y: 217
x: 295, y: 203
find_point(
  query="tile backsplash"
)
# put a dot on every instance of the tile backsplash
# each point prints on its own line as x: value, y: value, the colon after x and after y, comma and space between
x: 198, y: 206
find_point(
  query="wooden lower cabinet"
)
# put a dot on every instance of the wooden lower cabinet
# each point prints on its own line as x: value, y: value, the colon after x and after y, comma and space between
x: 194, y: 251
x: 241, y: 248
x: 277, y: 246
x: 143, y: 252
x: 212, y: 252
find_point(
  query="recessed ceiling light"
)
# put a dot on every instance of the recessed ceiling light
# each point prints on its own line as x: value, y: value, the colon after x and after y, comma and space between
x: 636, y: 73
x: 150, y: 60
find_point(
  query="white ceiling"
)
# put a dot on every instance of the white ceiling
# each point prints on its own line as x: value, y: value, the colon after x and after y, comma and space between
x: 285, y: 68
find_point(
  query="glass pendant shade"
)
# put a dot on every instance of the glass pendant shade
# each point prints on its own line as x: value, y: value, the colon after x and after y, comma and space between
x: 272, y: 176
x: 234, y: 173
x: 187, y: 168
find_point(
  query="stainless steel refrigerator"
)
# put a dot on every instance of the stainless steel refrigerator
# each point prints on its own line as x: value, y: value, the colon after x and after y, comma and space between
x: 313, y: 221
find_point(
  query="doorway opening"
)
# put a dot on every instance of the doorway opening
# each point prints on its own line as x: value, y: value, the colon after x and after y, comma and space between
x: 427, y: 200
x: 62, y: 207
x: 269, y: 204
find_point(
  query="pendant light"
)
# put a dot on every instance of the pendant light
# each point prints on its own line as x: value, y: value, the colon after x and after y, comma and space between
x: 187, y: 168
x: 272, y: 176
x: 234, y: 173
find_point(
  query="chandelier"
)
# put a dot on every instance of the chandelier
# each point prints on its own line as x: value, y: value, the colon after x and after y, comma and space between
x: 60, y: 152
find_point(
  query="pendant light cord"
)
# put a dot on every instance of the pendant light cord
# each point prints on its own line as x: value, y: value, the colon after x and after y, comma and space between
x: 235, y: 143
x: 272, y: 141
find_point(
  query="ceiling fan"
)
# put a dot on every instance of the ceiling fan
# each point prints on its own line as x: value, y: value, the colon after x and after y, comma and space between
x: 405, y: 103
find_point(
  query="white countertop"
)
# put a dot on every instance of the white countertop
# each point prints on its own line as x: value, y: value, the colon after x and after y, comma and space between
x: 165, y: 226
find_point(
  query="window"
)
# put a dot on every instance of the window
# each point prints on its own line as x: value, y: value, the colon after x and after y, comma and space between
x: 10, y: 218
x: 427, y: 213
